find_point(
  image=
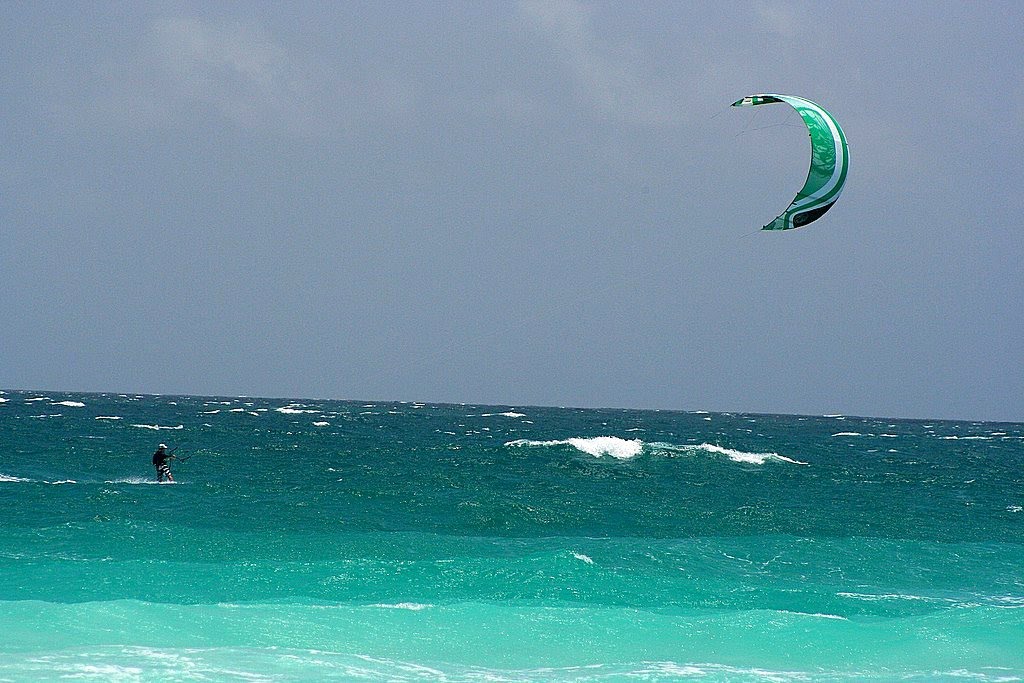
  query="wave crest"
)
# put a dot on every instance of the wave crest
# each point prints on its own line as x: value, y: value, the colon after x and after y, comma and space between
x: 624, y: 449
x: 598, y: 446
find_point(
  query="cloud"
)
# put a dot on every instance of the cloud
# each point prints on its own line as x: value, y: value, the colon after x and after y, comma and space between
x: 610, y: 76
x: 236, y: 70
x: 184, y: 69
x: 781, y: 19
x: 230, y: 64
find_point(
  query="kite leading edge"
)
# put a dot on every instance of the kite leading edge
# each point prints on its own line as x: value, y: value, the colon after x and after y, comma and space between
x: 830, y: 160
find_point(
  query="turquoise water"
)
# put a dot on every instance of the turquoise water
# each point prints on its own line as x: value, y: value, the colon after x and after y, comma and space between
x: 312, y: 540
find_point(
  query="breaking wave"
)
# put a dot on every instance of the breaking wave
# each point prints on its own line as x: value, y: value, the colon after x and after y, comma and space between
x: 625, y: 449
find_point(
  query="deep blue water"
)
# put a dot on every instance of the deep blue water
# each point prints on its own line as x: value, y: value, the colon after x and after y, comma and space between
x: 312, y: 540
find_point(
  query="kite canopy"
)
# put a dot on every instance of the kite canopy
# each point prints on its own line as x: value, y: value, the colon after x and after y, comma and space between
x: 830, y: 160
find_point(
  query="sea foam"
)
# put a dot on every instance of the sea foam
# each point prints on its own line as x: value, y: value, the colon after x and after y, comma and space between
x: 598, y: 446
x: 292, y: 410
x: 624, y: 449
x: 411, y: 606
x: 741, y: 456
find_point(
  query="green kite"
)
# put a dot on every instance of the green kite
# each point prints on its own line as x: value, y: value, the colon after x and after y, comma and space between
x: 830, y: 160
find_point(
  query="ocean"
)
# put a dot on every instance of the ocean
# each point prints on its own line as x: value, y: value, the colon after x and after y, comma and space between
x: 307, y: 540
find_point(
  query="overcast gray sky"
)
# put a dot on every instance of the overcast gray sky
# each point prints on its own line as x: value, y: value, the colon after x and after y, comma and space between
x: 546, y: 203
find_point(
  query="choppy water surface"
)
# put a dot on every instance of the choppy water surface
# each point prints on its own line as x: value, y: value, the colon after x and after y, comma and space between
x: 306, y: 540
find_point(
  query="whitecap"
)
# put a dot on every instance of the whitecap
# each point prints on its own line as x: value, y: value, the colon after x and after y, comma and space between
x: 620, y: 449
x: 623, y: 449
x: 108, y: 417
x: 72, y: 404
x: 3, y: 400
x: 109, y: 672
x: 6, y: 477
x: 742, y: 456
x: 583, y: 558
x: 1008, y: 601
x: 877, y: 597
x: 413, y: 606
x: 847, y: 434
x: 321, y: 424
x: 819, y: 615
x: 157, y: 427
x: 732, y: 454
x: 293, y: 410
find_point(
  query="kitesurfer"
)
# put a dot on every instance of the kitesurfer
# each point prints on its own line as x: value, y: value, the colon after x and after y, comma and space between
x: 160, y: 459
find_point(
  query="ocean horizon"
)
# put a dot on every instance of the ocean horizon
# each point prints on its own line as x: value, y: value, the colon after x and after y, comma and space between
x: 315, y: 539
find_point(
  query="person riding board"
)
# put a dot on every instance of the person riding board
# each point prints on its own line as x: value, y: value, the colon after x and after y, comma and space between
x: 160, y: 459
